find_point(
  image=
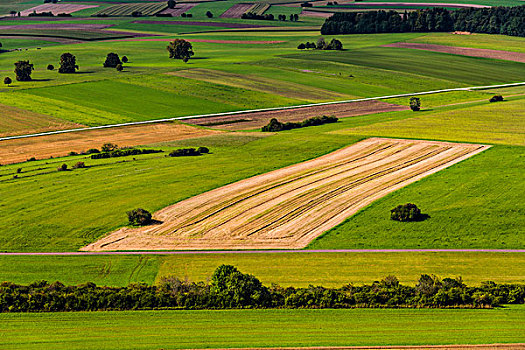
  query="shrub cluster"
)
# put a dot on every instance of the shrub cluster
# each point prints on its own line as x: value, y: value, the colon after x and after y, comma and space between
x: 183, y: 152
x: 496, y: 98
x: 230, y: 288
x: 123, y: 152
x: 406, y: 212
x: 275, y: 125
x: 494, y: 20
x: 139, y: 217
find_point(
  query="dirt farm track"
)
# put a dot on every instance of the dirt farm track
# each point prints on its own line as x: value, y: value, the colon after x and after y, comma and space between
x: 288, y: 208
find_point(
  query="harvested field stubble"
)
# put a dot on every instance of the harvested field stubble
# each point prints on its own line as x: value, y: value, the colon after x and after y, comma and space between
x: 289, y: 207
x: 42, y: 147
x: 256, y: 120
x: 464, y: 51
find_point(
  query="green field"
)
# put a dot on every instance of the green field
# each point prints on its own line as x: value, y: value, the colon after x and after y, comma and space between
x: 464, y: 212
x: 260, y: 328
x: 287, y: 269
x: 234, y: 75
x: 478, y: 41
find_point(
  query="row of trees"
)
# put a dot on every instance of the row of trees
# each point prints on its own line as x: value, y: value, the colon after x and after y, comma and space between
x: 494, y: 20
x: 322, y: 45
x: 68, y: 64
x: 230, y: 288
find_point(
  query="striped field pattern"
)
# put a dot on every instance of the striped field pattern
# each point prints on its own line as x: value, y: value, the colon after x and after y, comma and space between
x: 289, y: 207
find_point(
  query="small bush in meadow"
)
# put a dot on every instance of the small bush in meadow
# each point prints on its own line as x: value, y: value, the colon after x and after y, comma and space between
x: 139, y: 217
x: 203, y: 150
x: 406, y: 212
x: 496, y: 98
x: 63, y: 167
x: 79, y: 165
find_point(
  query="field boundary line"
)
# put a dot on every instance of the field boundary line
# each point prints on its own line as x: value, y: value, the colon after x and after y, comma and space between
x: 264, y: 251
x: 164, y: 120
x: 494, y: 346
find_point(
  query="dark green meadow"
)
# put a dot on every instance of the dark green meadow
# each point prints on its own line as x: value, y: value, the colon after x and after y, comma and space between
x: 260, y: 328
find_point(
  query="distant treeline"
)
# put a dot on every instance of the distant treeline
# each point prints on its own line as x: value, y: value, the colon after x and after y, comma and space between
x: 494, y: 20
x: 229, y: 288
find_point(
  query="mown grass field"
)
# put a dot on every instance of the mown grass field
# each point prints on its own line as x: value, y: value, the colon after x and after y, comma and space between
x: 286, y: 269
x: 259, y: 328
x: 478, y: 41
x: 465, y: 213
x: 230, y: 71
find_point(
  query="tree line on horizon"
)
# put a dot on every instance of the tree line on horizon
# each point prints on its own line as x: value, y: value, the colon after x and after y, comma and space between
x: 229, y: 288
x: 494, y: 20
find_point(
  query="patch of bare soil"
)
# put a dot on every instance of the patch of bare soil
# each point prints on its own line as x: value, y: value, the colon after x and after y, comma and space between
x: 465, y: 51
x: 246, y: 121
x: 289, y: 207
x: 42, y: 147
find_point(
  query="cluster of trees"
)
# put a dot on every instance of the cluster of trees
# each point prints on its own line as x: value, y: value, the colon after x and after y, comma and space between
x: 322, y: 45
x: 251, y: 15
x: 123, y: 152
x: 186, y: 15
x: 415, y: 104
x: 180, y: 49
x: 68, y: 64
x: 185, y: 152
x: 230, y: 288
x: 275, y: 125
x: 293, y: 17
x: 494, y: 20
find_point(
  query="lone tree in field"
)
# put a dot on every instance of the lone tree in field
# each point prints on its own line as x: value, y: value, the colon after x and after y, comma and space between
x: 171, y: 4
x: 68, y: 63
x: 124, y: 59
x: 209, y: 14
x: 406, y: 212
x: 335, y: 45
x: 50, y: 67
x: 139, y: 217
x: 181, y: 49
x: 112, y: 60
x: 415, y: 104
x: 23, y: 70
x: 7, y: 81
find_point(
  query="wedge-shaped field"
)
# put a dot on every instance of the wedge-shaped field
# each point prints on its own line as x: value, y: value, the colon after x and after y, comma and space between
x: 289, y: 207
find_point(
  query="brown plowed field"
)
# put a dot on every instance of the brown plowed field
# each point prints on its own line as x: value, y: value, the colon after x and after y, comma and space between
x: 289, y: 207
x: 57, y: 8
x: 42, y: 147
x: 465, y: 51
x: 236, y: 11
x: 259, y: 119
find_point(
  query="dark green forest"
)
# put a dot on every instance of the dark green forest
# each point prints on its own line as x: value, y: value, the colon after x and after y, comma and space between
x: 494, y: 20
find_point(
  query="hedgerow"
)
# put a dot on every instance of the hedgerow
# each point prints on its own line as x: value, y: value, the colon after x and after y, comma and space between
x: 230, y: 288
